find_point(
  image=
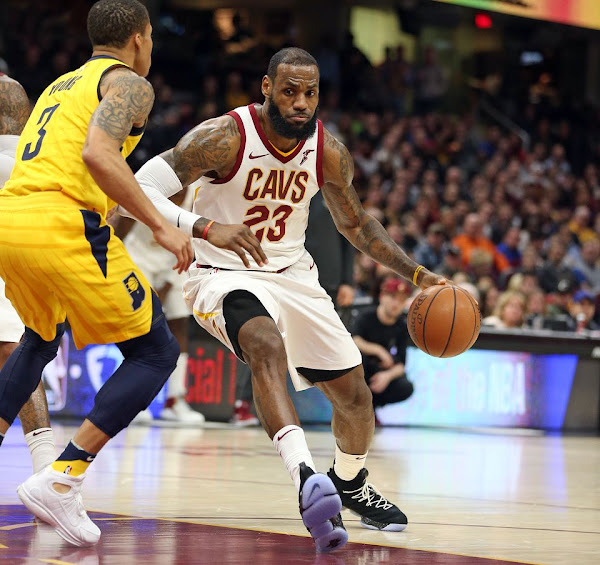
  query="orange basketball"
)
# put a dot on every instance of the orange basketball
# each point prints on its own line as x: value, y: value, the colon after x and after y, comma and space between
x: 444, y: 320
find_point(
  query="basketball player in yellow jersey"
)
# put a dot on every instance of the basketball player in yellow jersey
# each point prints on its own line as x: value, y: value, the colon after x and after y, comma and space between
x: 34, y: 417
x: 60, y: 259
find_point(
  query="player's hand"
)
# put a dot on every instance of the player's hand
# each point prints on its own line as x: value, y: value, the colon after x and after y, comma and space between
x: 239, y: 239
x: 175, y: 241
x: 427, y: 279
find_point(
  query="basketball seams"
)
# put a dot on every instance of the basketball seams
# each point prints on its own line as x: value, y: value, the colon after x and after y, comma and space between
x: 423, y: 338
x: 452, y: 324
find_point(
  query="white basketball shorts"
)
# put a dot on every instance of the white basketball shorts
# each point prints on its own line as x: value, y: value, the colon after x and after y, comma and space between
x: 313, y: 334
x: 11, y: 328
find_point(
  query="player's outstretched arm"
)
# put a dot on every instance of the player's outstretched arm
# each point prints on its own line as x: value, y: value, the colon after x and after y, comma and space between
x: 360, y: 228
x: 126, y: 102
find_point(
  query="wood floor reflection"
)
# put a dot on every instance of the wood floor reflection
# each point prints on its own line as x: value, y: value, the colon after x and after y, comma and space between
x: 222, y: 496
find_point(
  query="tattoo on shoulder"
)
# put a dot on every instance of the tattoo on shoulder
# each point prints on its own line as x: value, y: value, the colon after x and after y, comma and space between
x: 14, y: 106
x: 210, y: 146
x: 127, y: 101
x: 344, y: 164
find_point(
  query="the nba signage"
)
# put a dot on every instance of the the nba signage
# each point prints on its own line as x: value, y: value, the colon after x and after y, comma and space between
x: 486, y: 388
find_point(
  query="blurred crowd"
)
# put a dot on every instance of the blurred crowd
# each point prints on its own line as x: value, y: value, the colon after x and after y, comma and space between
x: 513, y: 218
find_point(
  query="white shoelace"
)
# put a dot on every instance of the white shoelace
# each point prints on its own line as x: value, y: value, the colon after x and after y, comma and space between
x: 368, y: 493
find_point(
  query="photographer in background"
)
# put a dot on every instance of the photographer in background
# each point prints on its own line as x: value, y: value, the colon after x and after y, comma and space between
x: 382, y: 337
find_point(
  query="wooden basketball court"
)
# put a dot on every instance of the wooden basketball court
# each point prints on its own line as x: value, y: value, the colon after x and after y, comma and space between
x: 221, y: 495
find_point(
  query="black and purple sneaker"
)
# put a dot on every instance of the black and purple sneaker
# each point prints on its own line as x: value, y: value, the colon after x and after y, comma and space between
x: 320, y: 506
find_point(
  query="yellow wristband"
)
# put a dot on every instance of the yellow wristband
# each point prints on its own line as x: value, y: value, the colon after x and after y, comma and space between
x: 417, y: 271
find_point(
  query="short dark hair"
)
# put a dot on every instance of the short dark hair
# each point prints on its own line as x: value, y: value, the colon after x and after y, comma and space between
x: 290, y: 56
x: 113, y: 22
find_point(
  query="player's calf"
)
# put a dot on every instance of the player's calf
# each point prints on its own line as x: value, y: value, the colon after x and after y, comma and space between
x: 22, y: 371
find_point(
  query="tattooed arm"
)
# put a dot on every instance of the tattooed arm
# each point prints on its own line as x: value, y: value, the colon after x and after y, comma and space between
x: 212, y: 148
x: 126, y: 101
x: 351, y: 220
x: 15, y: 106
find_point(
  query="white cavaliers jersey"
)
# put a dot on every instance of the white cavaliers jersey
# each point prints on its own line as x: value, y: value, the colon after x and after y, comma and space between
x: 267, y: 190
x: 8, y: 149
x: 144, y: 249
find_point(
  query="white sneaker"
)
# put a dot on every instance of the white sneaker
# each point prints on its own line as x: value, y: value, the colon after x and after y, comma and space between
x: 183, y: 413
x: 143, y: 418
x: 63, y: 511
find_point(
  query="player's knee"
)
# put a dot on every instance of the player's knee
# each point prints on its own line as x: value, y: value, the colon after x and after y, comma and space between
x: 266, y: 343
x: 158, y: 347
x: 363, y: 397
x: 46, y: 350
x: 356, y: 395
x: 250, y: 328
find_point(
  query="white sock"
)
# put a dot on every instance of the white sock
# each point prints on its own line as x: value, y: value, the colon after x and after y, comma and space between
x: 291, y: 445
x: 347, y: 466
x: 41, y: 445
x: 177, y: 386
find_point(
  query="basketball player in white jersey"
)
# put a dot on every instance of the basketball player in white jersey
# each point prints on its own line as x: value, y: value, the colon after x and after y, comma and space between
x: 260, y: 165
x: 153, y: 261
x: 14, y: 111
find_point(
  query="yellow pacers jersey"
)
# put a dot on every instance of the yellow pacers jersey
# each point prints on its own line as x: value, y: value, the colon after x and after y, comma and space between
x: 58, y: 257
x: 49, y: 151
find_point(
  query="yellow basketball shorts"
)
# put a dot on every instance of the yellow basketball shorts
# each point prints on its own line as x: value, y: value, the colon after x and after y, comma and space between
x: 62, y: 262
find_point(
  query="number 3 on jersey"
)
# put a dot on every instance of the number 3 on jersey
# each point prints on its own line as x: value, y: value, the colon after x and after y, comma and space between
x: 44, y: 119
x: 261, y: 214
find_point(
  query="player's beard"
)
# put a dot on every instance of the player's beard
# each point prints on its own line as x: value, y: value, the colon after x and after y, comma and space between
x: 285, y: 129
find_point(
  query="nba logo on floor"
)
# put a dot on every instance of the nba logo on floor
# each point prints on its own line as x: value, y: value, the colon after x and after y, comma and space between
x: 135, y: 290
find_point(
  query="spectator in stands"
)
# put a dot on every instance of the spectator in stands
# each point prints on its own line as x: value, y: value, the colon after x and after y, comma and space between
x: 558, y: 315
x: 448, y: 221
x: 489, y: 300
x: 472, y: 239
x: 580, y: 225
x: 557, y: 160
x: 535, y: 310
x: 481, y: 264
x: 554, y: 269
x: 582, y: 309
x: 509, y: 247
x: 451, y: 263
x: 381, y: 335
x: 509, y: 312
x: 430, y: 251
x: 586, y: 267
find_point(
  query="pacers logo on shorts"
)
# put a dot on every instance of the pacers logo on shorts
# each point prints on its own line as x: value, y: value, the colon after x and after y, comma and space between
x: 135, y: 289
